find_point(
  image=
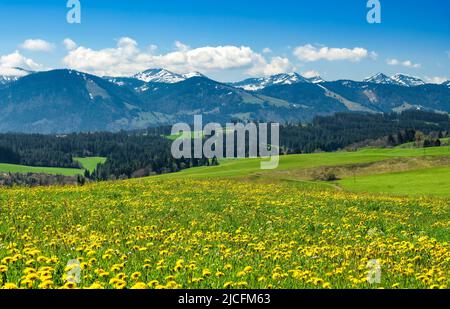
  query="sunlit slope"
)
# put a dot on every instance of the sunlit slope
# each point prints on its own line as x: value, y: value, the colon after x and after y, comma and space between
x: 247, y: 167
x: 431, y: 181
x: 22, y: 169
x: 90, y: 163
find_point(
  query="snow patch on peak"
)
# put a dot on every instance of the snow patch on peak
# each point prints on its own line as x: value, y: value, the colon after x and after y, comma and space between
x: 316, y: 80
x: 9, y: 75
x: 407, y: 80
x: 380, y: 78
x: 253, y: 84
x: 159, y: 76
x: 193, y: 74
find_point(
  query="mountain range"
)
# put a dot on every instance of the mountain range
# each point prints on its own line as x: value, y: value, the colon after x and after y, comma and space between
x: 62, y: 101
x: 397, y: 79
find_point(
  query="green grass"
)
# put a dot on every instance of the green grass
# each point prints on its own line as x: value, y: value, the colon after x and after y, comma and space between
x: 13, y: 168
x: 90, y: 163
x: 191, y: 135
x: 430, y: 181
x: 247, y: 167
x: 256, y: 235
x: 87, y: 163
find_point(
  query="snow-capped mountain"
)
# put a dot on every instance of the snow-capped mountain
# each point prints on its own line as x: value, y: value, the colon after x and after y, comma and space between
x: 447, y: 83
x: 5, y: 79
x: 159, y: 76
x: 381, y: 78
x: 13, y: 75
x: 407, y: 80
x: 253, y: 84
x: 193, y: 74
x: 316, y: 80
x: 164, y: 76
x: 43, y: 102
x: 397, y: 79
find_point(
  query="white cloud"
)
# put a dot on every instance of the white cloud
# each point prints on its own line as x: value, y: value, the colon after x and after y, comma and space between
x: 8, y: 63
x: 310, y: 53
x: 209, y: 58
x: 181, y: 47
x: 5, y: 71
x: 152, y: 47
x: 127, y: 59
x: 436, y: 79
x: 310, y: 74
x: 124, y: 59
x: 69, y: 44
x: 37, y: 45
x: 406, y: 63
x: 277, y: 65
x: 267, y: 50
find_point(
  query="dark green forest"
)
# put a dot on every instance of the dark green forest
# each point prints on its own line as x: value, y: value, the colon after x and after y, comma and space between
x: 331, y: 133
x: 147, y: 152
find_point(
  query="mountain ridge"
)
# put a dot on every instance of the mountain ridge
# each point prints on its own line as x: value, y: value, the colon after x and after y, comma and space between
x: 64, y: 100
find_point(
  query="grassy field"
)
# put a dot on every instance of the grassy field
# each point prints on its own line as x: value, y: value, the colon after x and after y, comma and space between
x: 417, y: 182
x: 175, y: 233
x: 431, y: 181
x: 87, y: 163
x: 90, y: 163
x: 191, y: 135
x: 235, y: 226
x: 13, y: 168
x: 246, y: 167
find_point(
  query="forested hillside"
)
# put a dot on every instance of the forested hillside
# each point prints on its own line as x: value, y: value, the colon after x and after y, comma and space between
x: 148, y: 152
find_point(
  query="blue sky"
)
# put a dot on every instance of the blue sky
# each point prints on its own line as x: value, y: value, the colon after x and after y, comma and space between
x: 230, y: 40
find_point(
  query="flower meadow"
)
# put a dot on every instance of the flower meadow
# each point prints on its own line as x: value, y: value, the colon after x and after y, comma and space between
x: 181, y: 233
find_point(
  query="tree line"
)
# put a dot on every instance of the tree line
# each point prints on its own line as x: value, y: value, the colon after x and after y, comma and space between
x: 148, y: 152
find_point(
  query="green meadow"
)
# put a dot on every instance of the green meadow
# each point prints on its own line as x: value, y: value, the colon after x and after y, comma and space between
x: 13, y: 168
x: 90, y: 163
x: 86, y: 163
x: 411, y: 180
x: 395, y: 171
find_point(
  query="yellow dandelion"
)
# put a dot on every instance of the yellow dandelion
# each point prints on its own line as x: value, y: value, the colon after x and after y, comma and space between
x: 70, y: 285
x: 139, y: 286
x: 228, y: 284
x: 95, y: 286
x: 46, y: 284
x: 206, y: 272
x: 135, y: 275
x: 220, y: 274
x: 10, y: 286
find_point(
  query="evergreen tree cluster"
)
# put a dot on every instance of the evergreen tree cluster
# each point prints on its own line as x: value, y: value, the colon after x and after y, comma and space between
x: 331, y: 133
